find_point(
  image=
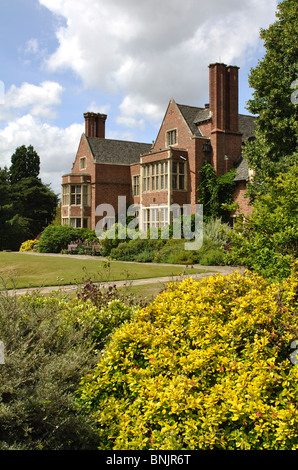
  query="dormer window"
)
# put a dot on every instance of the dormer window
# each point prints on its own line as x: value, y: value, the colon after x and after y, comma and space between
x: 171, y: 137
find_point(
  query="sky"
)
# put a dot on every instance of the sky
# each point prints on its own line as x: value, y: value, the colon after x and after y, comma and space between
x: 125, y: 58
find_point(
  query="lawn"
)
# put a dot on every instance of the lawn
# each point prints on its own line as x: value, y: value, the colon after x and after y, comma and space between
x: 21, y: 270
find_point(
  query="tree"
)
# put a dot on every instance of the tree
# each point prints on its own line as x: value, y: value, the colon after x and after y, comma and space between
x: 267, y: 242
x: 27, y: 205
x: 25, y: 163
x: 273, y: 79
x: 34, y: 202
x: 5, y: 208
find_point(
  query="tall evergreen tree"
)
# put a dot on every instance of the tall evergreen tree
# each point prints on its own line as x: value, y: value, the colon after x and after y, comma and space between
x: 5, y: 209
x: 25, y: 163
x: 36, y: 203
x: 273, y: 79
x: 27, y: 205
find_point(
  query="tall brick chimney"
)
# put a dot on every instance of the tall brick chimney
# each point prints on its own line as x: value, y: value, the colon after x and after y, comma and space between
x: 232, y: 121
x: 223, y: 99
x: 95, y: 125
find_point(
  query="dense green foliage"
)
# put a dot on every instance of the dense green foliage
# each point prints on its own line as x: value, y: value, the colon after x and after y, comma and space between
x: 5, y: 208
x: 27, y: 205
x: 275, y: 147
x: 55, y: 238
x: 49, y: 343
x: 267, y: 242
x: 25, y: 163
x: 159, y: 250
x: 205, y: 366
x: 35, y: 202
x: 214, y: 191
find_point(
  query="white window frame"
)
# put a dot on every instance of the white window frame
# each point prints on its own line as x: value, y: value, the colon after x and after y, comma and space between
x: 158, y: 217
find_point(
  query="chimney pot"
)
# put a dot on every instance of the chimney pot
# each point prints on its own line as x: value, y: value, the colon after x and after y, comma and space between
x: 95, y: 125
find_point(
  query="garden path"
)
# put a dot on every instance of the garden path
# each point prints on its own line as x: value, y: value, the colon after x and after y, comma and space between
x: 68, y: 288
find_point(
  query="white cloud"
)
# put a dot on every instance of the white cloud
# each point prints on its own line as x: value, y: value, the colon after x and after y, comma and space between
x: 95, y: 108
x: 152, y: 50
x: 56, y: 147
x: 31, y: 46
x: 37, y: 99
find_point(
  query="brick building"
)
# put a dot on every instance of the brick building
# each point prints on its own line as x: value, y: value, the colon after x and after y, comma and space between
x: 163, y: 173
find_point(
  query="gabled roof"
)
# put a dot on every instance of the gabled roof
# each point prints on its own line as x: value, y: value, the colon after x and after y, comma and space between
x: 119, y: 152
x: 194, y: 116
x: 190, y: 114
x: 242, y: 172
x: 247, y: 126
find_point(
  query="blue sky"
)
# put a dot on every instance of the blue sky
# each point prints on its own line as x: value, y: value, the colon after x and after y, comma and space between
x: 126, y: 58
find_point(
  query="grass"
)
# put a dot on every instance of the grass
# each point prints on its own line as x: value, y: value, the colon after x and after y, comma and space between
x: 21, y: 270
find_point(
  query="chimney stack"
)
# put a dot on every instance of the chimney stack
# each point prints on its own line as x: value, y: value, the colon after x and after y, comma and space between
x: 223, y: 90
x: 95, y: 125
x: 226, y: 139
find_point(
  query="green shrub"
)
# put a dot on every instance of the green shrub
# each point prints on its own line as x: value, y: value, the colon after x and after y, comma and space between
x: 50, y: 342
x: 205, y: 366
x: 211, y: 254
x: 136, y: 250
x: 43, y: 366
x: 113, y: 237
x: 217, y: 231
x: 55, y: 238
x: 173, y: 252
x: 267, y: 241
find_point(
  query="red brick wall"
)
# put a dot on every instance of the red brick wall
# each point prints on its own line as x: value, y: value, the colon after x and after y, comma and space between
x: 111, y: 181
x: 242, y: 201
x: 83, y: 151
x: 173, y: 120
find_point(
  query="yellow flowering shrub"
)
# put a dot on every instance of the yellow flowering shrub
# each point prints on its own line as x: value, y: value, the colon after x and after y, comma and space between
x: 205, y: 366
x: 28, y: 245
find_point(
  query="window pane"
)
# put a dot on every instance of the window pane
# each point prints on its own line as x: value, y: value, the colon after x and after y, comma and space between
x: 181, y: 181
x: 174, y: 183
